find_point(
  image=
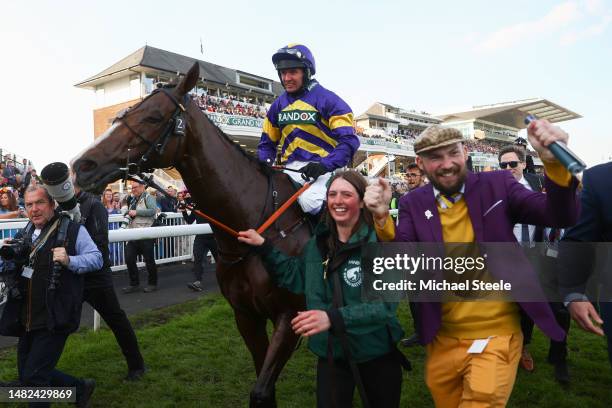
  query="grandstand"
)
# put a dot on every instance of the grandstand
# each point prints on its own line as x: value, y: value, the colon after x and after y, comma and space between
x: 490, y: 127
x: 235, y: 100
x: 22, y: 164
x: 386, y: 133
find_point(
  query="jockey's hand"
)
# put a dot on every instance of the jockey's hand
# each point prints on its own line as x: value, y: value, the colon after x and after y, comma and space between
x: 251, y: 237
x: 310, y: 322
x: 541, y: 134
x: 313, y: 170
x: 377, y: 198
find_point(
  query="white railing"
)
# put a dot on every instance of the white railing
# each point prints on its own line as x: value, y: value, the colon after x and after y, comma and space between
x: 172, y: 244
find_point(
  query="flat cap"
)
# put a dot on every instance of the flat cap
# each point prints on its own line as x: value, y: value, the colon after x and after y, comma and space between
x: 436, y: 136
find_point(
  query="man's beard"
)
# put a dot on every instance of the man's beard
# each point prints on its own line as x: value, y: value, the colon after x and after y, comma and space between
x: 455, y: 188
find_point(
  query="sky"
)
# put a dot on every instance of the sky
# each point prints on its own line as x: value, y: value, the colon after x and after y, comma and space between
x: 433, y: 56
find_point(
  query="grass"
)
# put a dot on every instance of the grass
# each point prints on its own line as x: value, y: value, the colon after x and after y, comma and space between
x: 196, y: 358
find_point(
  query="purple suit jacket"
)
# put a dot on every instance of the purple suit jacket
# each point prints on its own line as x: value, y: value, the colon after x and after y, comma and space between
x: 495, y: 202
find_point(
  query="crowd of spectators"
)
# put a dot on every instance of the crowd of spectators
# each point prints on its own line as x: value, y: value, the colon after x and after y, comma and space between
x: 489, y: 146
x: 230, y: 106
x: 15, y: 176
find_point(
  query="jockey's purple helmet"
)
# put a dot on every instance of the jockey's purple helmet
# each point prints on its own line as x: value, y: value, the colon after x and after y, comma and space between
x: 294, y: 56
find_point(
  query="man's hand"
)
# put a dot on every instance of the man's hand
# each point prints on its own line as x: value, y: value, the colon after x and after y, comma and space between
x: 132, y: 213
x: 313, y: 170
x: 377, y: 198
x: 310, y: 322
x: 541, y: 134
x: 251, y: 237
x: 60, y: 255
x: 585, y: 314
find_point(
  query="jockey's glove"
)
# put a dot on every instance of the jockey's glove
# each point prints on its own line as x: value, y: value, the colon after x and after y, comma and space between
x: 313, y: 170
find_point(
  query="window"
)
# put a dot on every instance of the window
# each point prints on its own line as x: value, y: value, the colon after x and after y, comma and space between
x: 254, y: 82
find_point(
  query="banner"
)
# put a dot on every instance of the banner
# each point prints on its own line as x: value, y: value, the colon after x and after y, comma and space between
x: 221, y: 119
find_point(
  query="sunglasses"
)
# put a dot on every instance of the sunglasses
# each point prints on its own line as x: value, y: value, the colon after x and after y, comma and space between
x: 513, y: 164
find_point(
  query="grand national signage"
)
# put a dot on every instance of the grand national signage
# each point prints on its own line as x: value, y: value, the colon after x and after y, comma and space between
x: 221, y: 119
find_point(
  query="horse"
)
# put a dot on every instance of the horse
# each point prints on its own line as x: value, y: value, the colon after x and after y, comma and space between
x: 167, y: 129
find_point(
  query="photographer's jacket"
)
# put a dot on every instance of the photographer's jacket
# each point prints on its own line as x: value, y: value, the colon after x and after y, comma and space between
x: 95, y: 219
x: 40, y: 307
x: 146, y: 208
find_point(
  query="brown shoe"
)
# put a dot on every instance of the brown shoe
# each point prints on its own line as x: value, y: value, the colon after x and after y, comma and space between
x: 527, y: 360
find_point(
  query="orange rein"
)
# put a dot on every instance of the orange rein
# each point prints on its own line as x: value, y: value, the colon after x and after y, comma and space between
x: 267, y: 223
x: 282, y: 209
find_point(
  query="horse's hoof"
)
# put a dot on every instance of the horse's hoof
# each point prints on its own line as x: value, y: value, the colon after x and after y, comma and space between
x: 259, y: 400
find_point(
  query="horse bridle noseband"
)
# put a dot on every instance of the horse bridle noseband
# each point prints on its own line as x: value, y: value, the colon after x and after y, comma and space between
x: 174, y: 126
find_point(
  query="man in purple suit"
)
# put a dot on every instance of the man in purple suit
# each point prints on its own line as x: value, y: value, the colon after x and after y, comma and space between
x: 464, y: 207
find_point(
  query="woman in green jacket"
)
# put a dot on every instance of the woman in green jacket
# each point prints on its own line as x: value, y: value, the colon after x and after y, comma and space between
x: 354, y: 340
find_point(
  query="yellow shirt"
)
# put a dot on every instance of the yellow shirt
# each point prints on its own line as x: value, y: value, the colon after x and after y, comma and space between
x: 471, y: 320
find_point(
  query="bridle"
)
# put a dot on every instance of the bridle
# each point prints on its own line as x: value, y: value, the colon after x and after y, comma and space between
x: 174, y: 126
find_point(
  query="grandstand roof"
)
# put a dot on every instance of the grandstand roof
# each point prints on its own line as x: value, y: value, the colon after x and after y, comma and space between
x: 408, y: 112
x: 377, y: 117
x: 513, y: 113
x: 147, y: 59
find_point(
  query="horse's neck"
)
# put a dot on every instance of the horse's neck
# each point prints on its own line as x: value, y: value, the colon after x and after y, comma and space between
x: 224, y: 182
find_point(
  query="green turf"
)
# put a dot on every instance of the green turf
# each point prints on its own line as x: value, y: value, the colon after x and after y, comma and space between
x: 196, y: 358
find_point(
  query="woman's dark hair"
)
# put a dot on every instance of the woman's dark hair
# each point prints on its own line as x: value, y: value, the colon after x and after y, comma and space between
x: 12, y: 201
x: 359, y: 182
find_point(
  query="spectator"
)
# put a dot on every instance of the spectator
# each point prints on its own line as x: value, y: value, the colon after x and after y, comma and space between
x: 415, y: 177
x: 168, y: 204
x: 461, y: 200
x: 201, y: 244
x: 512, y: 158
x: 109, y: 204
x: 99, y: 291
x: 117, y: 201
x: 141, y: 208
x: 8, y: 205
x: 12, y: 174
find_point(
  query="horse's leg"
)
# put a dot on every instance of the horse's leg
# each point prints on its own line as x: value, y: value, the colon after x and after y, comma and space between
x: 252, y: 328
x: 281, y: 347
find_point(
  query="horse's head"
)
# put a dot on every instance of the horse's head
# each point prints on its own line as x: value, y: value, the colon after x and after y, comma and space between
x: 141, y: 138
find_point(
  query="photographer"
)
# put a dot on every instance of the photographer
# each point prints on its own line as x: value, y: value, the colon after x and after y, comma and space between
x: 201, y: 244
x: 99, y: 290
x: 141, y: 211
x: 43, y: 307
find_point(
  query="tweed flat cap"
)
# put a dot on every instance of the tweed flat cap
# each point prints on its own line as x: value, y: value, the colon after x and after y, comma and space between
x: 436, y: 136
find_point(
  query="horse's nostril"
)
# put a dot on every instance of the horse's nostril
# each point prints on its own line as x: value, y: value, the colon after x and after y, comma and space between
x: 86, y: 166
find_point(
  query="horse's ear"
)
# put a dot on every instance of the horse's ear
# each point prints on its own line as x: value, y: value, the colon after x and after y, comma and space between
x: 189, y: 81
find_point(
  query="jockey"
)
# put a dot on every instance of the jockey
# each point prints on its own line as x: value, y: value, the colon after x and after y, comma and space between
x: 313, y: 126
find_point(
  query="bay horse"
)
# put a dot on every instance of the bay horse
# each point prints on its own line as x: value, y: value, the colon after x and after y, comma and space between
x: 227, y: 184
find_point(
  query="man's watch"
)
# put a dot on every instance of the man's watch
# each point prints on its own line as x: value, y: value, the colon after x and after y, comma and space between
x: 575, y: 297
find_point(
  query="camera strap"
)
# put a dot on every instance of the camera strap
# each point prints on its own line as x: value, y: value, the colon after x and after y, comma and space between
x: 42, y: 239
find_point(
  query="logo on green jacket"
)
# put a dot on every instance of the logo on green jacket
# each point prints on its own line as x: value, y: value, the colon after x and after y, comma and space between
x: 352, y: 273
x: 296, y: 117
